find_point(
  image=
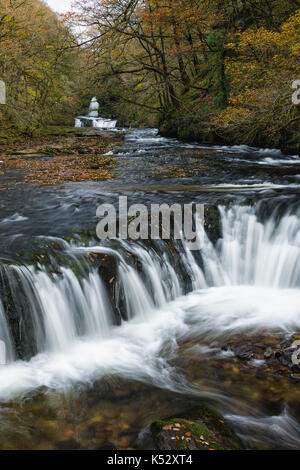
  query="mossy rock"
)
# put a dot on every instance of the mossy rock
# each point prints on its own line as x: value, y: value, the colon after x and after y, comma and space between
x: 206, y: 430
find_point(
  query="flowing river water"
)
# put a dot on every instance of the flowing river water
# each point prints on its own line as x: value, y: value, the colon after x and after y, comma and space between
x: 93, y: 367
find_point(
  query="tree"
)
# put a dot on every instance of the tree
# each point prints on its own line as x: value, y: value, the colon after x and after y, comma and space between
x: 36, y: 64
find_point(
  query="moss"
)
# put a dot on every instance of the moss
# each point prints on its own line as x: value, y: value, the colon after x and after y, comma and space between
x: 199, y: 126
x: 9, y: 137
x: 206, y: 431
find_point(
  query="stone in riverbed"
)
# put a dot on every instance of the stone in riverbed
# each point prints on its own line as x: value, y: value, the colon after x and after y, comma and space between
x: 206, y: 430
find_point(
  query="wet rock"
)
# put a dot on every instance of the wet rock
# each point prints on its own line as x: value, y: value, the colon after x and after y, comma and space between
x: 272, y: 353
x: 245, y: 354
x: 204, y: 429
x: 212, y: 220
x: 108, y: 269
x: 18, y: 311
x: 268, y: 353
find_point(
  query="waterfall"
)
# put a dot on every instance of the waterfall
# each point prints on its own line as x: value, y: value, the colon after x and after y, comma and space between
x: 52, y: 312
x: 59, y: 310
x: 93, y: 119
x: 252, y: 252
x: 102, y: 123
x: 161, y: 277
x: 65, y: 322
x: 250, y: 279
x: 6, y: 348
x: 71, y: 308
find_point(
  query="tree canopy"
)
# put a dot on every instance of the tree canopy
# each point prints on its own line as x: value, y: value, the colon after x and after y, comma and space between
x: 197, y: 68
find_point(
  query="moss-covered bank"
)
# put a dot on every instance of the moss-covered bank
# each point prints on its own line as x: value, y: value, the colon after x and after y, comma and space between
x: 259, y: 134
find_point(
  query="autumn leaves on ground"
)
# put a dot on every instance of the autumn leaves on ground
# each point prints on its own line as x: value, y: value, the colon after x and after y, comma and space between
x: 213, y: 71
x: 73, y: 156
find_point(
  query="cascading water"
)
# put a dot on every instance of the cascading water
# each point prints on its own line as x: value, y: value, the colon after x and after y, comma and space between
x: 71, y: 308
x: 253, y: 264
x: 5, y: 336
x: 251, y: 278
x: 259, y: 253
x: 251, y: 252
x: 93, y: 119
x: 66, y: 323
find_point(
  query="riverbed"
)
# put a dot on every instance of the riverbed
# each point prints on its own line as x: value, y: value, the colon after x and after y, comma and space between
x: 92, y: 362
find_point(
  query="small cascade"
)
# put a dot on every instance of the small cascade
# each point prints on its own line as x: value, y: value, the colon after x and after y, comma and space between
x: 72, y: 308
x: 253, y: 252
x: 49, y: 313
x: 41, y: 313
x: 6, y: 348
x: 93, y: 119
x: 138, y: 303
x: 163, y: 282
x: 250, y: 278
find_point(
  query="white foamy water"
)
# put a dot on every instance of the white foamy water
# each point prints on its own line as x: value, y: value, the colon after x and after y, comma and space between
x: 241, y: 309
x: 6, y: 349
x: 249, y: 281
x: 294, y: 160
x: 14, y: 218
x: 282, y: 428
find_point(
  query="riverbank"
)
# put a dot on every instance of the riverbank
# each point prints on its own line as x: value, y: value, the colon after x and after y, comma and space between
x: 57, y: 154
x: 192, y: 130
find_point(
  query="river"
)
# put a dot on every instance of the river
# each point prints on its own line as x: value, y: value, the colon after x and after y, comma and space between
x: 155, y: 347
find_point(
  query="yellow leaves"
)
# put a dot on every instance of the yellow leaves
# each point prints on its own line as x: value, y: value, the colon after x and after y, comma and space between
x: 230, y: 45
x: 23, y: 33
x: 290, y: 30
x: 31, y: 92
x: 238, y: 100
x: 270, y: 43
x: 260, y: 58
x: 295, y: 49
x: 232, y: 116
x: 257, y: 38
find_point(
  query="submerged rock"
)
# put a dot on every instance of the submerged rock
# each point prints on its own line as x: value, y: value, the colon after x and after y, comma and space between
x: 273, y: 353
x: 205, y: 430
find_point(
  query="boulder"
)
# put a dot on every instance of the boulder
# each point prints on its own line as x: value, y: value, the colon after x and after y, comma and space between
x: 204, y: 429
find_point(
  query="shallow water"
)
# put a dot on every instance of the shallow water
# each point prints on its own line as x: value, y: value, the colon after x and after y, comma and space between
x: 91, y: 381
